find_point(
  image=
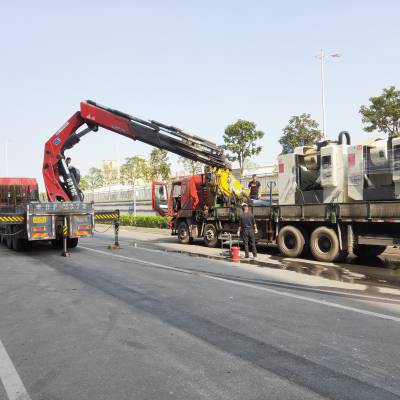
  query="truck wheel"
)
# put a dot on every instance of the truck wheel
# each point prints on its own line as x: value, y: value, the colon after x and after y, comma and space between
x: 56, y: 243
x: 19, y: 244
x: 9, y: 239
x: 183, y: 233
x: 324, y: 244
x: 210, y: 235
x: 72, y: 243
x: 367, y: 250
x: 291, y: 241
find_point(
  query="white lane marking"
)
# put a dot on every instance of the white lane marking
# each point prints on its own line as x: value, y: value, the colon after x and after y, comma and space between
x: 277, y: 292
x: 12, y: 382
x: 276, y: 284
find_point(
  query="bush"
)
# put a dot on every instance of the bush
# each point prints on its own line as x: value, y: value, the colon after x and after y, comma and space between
x: 145, y: 221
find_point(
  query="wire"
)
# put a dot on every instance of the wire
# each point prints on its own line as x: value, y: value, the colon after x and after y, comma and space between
x: 104, y: 230
x: 12, y: 234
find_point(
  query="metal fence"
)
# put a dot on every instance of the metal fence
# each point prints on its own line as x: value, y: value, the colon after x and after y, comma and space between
x: 142, y: 193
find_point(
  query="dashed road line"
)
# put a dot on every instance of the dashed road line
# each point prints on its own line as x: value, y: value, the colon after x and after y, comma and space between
x: 249, y: 285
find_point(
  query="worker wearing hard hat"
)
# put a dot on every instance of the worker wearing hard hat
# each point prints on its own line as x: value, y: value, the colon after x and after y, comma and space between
x: 247, y: 230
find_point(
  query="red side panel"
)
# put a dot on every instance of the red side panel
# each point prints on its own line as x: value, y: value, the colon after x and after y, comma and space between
x: 194, y: 198
x: 98, y: 116
x: 18, y: 182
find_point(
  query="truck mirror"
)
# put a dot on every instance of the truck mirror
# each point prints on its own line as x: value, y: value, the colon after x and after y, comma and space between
x: 159, y: 198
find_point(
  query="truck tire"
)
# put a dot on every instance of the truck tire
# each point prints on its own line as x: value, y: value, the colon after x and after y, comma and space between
x: 56, y: 243
x: 19, y: 244
x: 210, y: 235
x: 72, y: 243
x: 324, y: 244
x: 368, y: 250
x: 183, y: 233
x: 9, y: 239
x: 291, y: 241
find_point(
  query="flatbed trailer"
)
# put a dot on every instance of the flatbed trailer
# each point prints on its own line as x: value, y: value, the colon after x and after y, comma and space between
x: 50, y: 221
x: 328, y: 231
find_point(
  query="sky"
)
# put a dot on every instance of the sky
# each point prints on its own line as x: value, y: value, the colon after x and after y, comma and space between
x: 197, y: 65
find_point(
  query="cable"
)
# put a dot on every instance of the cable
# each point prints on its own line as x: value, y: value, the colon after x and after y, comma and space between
x: 104, y: 230
x: 12, y: 234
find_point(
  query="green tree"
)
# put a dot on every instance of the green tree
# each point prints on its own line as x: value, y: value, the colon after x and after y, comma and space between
x: 240, y: 140
x: 302, y: 130
x: 191, y: 167
x: 110, y: 174
x: 383, y: 113
x: 158, y: 166
x: 135, y: 168
x: 83, y: 183
x: 93, y: 179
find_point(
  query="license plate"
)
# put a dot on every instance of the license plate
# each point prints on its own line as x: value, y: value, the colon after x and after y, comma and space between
x: 39, y: 220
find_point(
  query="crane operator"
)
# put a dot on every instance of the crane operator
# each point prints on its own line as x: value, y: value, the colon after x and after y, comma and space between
x: 74, y: 171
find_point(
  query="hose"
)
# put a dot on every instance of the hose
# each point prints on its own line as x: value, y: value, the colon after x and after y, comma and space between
x: 348, y: 139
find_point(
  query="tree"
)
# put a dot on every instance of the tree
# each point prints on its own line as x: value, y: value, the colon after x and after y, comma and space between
x: 135, y: 168
x: 83, y: 183
x: 302, y: 130
x: 159, y: 167
x: 93, y: 179
x: 110, y: 174
x: 190, y: 166
x: 383, y: 114
x: 240, y: 140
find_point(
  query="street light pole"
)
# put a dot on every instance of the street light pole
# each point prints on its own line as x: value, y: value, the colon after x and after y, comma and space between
x: 322, y: 57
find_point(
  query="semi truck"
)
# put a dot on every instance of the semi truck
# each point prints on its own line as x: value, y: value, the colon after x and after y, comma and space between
x: 335, y: 199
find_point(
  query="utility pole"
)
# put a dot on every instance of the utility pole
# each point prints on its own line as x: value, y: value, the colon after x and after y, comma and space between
x: 322, y: 57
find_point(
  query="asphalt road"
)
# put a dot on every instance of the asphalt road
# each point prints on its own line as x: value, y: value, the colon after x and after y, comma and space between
x: 141, y: 323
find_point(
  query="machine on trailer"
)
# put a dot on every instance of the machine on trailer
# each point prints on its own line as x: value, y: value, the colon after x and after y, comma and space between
x: 374, y: 170
x: 316, y: 212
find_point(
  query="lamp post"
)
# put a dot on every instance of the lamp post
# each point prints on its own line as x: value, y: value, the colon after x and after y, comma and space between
x: 322, y: 57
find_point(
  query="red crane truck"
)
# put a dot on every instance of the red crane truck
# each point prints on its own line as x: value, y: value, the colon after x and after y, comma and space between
x: 66, y: 217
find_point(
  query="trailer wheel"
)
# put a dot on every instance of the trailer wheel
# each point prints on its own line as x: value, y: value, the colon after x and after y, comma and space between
x: 183, y: 233
x: 291, y: 241
x: 210, y: 235
x: 324, y: 244
x: 367, y: 251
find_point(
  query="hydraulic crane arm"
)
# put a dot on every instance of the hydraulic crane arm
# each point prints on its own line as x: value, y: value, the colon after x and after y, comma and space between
x: 60, y: 183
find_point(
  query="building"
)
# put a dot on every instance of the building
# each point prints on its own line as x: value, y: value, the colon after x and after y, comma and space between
x: 267, y: 175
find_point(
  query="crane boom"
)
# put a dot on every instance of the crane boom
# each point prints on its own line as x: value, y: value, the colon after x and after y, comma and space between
x: 60, y: 183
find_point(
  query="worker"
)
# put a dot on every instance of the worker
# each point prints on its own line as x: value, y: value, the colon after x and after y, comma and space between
x: 254, y: 186
x: 247, y: 230
x: 73, y: 171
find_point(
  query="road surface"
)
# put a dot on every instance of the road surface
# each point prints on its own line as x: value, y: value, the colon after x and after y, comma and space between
x: 144, y: 323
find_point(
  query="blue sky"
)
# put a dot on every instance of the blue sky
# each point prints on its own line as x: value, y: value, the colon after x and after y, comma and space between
x: 198, y: 65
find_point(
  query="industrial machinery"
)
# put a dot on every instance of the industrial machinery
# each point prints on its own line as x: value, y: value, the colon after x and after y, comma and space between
x: 314, y: 174
x: 374, y: 170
